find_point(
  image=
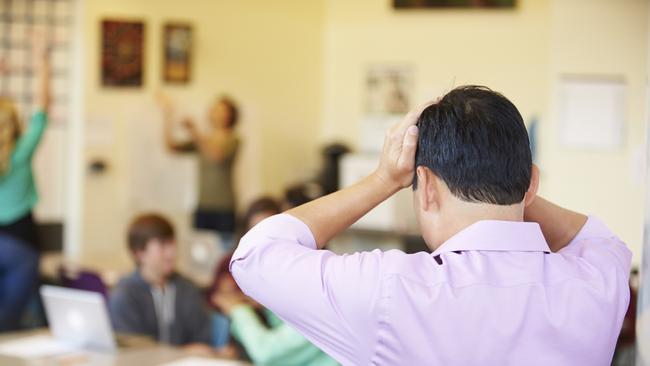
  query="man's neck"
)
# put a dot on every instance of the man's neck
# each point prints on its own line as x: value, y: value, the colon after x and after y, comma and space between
x: 459, y: 215
x: 153, y: 279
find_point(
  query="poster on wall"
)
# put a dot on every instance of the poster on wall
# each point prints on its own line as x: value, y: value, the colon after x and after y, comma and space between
x: 388, y: 96
x: 388, y: 89
x: 177, y: 53
x: 122, y: 53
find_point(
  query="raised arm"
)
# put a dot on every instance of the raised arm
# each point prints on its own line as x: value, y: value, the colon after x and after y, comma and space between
x: 558, y: 224
x: 329, y: 215
x: 168, y: 111
x: 27, y: 143
x: 43, y: 72
x: 216, y: 147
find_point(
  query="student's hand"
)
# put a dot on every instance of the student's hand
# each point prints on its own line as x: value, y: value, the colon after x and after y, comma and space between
x: 397, y: 163
x: 164, y: 101
x: 199, y: 349
x: 40, y: 46
x: 228, y: 351
x: 4, y: 66
x: 228, y: 301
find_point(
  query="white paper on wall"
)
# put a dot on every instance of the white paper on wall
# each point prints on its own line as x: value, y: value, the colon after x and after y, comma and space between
x: 591, y: 112
x: 395, y: 214
x: 158, y: 180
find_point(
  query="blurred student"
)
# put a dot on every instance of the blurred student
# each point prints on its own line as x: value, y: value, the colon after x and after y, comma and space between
x: 18, y: 194
x: 18, y: 276
x: 267, y: 341
x: 217, y: 149
x: 512, y: 278
x: 155, y: 300
x: 18, y: 241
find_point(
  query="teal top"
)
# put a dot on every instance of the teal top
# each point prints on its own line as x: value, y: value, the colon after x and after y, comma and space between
x: 279, y: 345
x: 17, y: 188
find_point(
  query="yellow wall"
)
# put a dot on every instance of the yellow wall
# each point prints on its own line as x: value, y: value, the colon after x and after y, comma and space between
x: 521, y: 53
x: 267, y: 55
x: 297, y: 68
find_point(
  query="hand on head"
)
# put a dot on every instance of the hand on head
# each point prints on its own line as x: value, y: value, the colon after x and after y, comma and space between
x: 397, y: 163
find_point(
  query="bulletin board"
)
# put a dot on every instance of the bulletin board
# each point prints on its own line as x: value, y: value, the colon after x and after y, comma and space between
x: 18, y: 20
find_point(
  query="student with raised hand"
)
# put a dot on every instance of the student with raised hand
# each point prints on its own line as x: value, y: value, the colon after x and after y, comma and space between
x: 512, y: 279
x: 267, y: 340
x: 19, y: 255
x: 18, y: 194
x: 216, y: 149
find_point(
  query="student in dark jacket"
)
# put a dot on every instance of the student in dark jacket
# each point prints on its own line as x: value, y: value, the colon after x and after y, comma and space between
x: 154, y: 300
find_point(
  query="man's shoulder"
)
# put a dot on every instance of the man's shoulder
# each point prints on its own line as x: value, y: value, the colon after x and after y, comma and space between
x: 131, y: 282
x: 598, y: 245
x: 184, y: 284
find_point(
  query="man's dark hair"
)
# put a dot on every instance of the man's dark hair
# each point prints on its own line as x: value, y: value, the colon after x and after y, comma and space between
x: 147, y: 227
x: 475, y: 140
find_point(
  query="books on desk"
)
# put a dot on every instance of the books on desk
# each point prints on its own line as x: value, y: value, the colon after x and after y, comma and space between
x: 34, y: 347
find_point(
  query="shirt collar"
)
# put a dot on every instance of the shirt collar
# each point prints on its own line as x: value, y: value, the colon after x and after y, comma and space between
x: 492, y: 235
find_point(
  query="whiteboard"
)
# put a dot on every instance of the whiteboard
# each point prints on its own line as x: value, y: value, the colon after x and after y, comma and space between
x: 592, y: 113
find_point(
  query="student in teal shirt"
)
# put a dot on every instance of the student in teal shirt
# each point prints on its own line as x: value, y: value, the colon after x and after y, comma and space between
x: 267, y: 340
x: 18, y: 253
x: 18, y: 194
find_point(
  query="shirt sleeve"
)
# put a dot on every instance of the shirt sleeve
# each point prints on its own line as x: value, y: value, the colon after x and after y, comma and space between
x: 280, y: 345
x: 330, y: 299
x: 27, y: 143
x: 596, y: 244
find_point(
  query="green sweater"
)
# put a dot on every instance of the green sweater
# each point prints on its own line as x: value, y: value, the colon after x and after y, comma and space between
x: 279, y: 345
x: 17, y: 188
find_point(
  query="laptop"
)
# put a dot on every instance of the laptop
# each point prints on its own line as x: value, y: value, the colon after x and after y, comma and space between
x: 78, y: 318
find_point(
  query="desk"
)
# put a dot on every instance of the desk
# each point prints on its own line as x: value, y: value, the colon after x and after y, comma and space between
x: 145, y: 355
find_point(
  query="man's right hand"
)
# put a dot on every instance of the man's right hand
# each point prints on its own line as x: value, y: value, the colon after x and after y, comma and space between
x: 397, y: 164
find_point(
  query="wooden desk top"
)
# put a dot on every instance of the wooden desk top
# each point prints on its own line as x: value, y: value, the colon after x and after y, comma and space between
x: 146, y: 355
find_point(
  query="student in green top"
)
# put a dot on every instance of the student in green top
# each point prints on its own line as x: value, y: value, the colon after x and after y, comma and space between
x: 18, y: 253
x: 268, y: 341
x: 18, y: 193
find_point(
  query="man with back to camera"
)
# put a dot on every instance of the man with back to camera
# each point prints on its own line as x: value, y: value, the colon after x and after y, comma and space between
x: 512, y: 278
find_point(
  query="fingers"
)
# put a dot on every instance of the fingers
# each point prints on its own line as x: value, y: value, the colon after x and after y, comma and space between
x: 412, y: 116
x: 406, y: 159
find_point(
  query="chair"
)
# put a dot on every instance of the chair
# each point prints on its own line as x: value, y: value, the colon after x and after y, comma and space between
x: 82, y: 279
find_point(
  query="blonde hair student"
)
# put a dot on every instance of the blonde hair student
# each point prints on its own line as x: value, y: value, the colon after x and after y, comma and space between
x: 18, y: 194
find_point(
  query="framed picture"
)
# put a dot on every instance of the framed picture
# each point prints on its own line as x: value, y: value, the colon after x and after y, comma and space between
x: 388, y: 89
x: 412, y: 4
x: 177, y: 53
x: 122, y: 53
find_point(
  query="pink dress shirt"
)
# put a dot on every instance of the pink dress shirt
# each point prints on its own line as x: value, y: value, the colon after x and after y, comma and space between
x: 493, y: 294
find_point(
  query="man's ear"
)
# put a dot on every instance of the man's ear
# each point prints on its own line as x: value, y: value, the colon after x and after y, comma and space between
x: 427, y: 187
x: 531, y: 193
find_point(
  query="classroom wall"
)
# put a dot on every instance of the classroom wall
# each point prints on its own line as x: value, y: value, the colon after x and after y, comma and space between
x: 298, y: 67
x: 520, y: 53
x: 267, y: 56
